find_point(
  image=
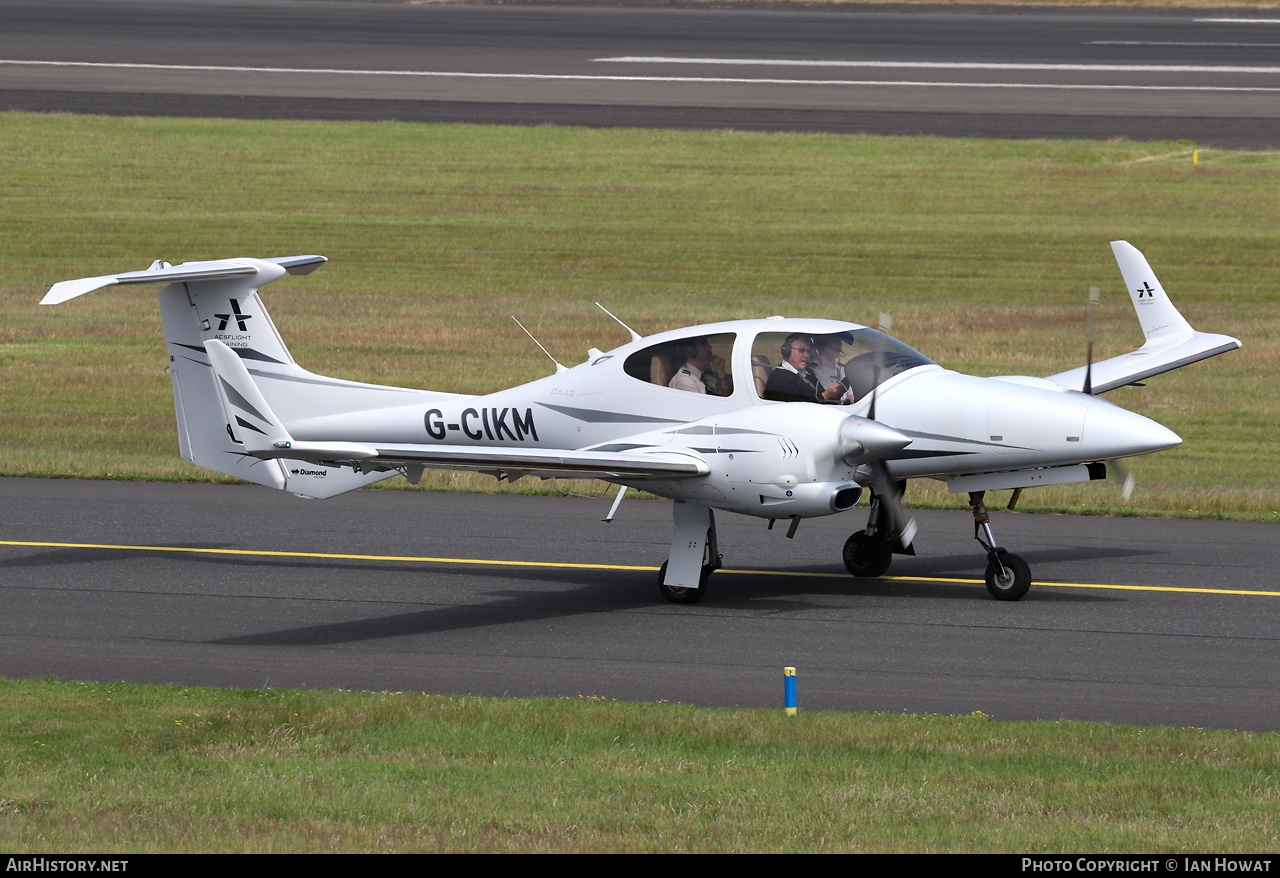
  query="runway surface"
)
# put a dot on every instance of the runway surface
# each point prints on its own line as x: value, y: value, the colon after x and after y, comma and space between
x: 1130, y: 620
x: 984, y: 71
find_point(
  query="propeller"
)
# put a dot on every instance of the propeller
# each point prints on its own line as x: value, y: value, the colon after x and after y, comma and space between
x: 886, y: 324
x: 886, y: 486
x: 1094, y: 295
x: 1122, y: 471
x: 878, y: 446
x: 1126, y: 478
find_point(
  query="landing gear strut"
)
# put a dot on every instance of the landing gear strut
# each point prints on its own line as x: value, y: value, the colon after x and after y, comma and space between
x: 869, y: 552
x: 694, y: 554
x: 1008, y: 576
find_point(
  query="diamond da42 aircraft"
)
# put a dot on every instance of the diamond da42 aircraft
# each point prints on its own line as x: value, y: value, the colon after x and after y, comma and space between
x: 724, y: 416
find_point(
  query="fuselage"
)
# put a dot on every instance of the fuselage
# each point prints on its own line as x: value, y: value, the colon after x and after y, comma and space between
x: 767, y: 458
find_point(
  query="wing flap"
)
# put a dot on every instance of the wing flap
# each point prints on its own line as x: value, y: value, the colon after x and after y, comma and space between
x: 551, y: 463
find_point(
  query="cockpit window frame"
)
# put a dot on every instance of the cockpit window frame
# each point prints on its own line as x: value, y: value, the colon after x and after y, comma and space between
x: 657, y: 364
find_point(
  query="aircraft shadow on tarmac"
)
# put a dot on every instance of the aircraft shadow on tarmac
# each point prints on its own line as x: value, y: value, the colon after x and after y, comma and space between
x: 575, y: 592
x: 587, y: 592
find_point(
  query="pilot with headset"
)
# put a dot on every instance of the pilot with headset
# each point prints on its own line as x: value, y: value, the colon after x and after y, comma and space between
x: 695, y: 376
x: 793, y: 382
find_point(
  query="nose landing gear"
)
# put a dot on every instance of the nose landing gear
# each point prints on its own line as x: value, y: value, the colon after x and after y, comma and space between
x: 1008, y: 576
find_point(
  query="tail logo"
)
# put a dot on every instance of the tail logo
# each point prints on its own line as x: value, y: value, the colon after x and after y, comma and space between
x: 1145, y: 291
x: 236, y: 315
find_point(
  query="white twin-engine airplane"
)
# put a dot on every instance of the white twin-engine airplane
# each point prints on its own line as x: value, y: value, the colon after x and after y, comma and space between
x: 722, y: 416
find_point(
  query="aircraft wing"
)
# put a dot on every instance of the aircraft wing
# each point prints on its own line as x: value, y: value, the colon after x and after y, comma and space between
x: 1170, y: 340
x: 512, y: 463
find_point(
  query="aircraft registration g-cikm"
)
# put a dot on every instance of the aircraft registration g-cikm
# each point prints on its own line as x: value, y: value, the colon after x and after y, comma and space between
x: 726, y: 416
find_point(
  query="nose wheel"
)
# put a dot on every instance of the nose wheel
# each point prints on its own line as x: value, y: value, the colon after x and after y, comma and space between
x: 1008, y: 576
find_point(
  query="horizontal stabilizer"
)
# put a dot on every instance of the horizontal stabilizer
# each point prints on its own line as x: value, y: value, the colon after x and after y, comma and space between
x: 188, y: 272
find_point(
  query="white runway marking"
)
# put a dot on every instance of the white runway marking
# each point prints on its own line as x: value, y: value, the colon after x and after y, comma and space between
x: 942, y: 65
x: 704, y: 80
x: 1173, y: 43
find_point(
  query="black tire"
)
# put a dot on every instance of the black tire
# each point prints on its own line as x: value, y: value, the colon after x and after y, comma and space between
x: 865, y: 556
x: 1016, y: 582
x: 679, y: 594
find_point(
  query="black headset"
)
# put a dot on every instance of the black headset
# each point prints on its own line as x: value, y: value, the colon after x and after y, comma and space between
x: 689, y: 347
x: 795, y: 336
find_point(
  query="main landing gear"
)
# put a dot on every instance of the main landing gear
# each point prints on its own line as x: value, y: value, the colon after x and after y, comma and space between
x: 694, y: 554
x: 869, y: 552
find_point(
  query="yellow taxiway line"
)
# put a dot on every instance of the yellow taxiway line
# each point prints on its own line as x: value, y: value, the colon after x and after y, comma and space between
x: 571, y: 566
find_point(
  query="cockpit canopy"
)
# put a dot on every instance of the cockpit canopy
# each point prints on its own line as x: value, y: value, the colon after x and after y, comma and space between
x: 862, y: 358
x: 703, y: 363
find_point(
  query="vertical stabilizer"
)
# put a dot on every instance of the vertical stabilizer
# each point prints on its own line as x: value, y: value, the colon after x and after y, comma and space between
x: 1159, y: 318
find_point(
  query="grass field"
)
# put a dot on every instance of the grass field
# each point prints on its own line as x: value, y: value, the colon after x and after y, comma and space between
x: 982, y: 251
x: 90, y: 767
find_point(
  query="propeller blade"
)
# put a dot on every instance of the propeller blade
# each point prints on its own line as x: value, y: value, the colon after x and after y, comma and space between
x: 886, y: 488
x: 886, y: 324
x: 1127, y: 481
x: 1094, y: 295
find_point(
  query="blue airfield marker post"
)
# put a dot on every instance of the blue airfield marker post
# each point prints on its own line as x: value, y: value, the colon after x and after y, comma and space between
x: 789, y: 691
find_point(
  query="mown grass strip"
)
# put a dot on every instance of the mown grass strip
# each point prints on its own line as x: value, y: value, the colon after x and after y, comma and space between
x: 125, y: 768
x: 981, y: 250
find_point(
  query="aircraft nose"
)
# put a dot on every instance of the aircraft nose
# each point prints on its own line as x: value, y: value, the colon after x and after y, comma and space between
x: 863, y: 440
x: 1110, y: 431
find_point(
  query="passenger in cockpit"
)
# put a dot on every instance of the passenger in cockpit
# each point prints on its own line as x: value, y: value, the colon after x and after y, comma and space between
x: 702, y: 372
x: 792, y: 381
x: 827, y: 364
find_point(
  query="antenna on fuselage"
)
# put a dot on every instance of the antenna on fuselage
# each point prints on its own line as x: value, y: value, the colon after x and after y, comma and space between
x: 635, y: 336
x: 559, y: 368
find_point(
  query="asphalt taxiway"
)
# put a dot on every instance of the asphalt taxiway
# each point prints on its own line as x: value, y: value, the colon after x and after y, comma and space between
x: 1007, y: 72
x: 1130, y: 620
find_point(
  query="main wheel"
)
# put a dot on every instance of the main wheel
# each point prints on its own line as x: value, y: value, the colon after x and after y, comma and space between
x: 1015, y: 581
x: 866, y: 556
x: 679, y: 594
